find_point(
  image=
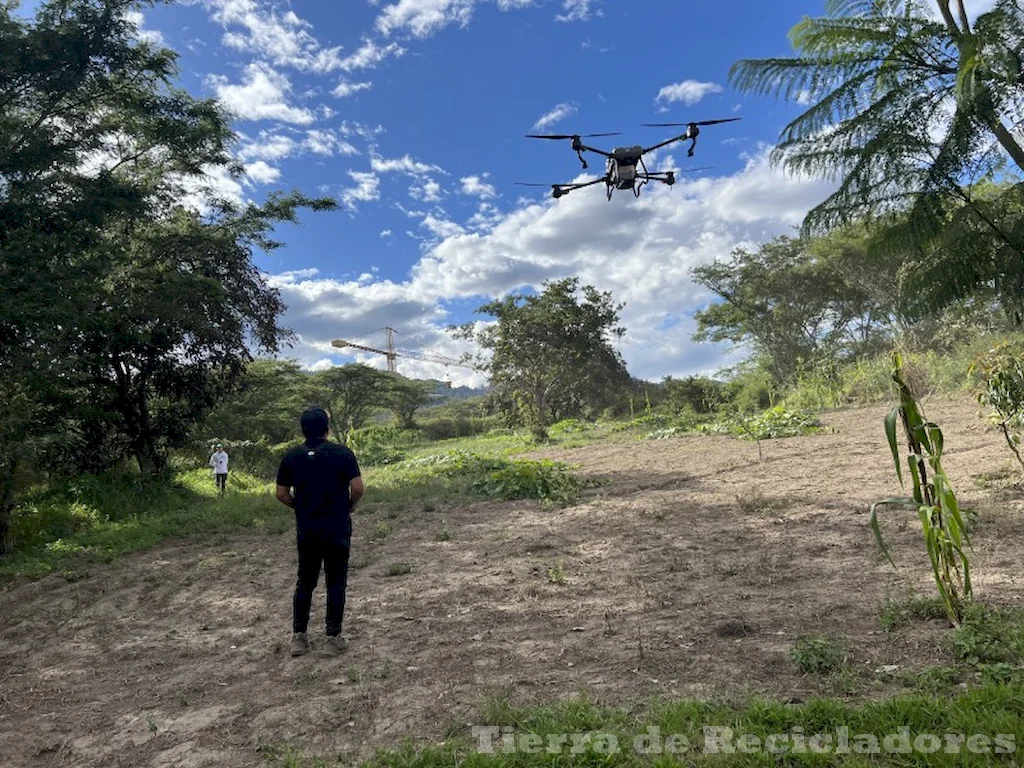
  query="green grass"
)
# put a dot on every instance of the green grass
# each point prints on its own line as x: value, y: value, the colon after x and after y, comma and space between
x: 96, y: 519
x: 672, y: 733
x: 458, y: 475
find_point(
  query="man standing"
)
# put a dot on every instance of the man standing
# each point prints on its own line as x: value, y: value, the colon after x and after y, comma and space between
x: 320, y: 480
x: 219, y: 462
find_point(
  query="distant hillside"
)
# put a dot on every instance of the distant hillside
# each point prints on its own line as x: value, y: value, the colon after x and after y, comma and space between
x: 444, y: 393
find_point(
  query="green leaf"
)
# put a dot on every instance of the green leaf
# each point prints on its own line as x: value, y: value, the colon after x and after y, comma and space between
x: 890, y: 433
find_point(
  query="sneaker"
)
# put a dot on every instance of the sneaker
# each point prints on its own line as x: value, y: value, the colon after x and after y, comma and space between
x: 300, y: 644
x: 335, y: 646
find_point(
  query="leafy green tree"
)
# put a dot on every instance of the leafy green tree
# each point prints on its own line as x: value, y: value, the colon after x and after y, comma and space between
x: 264, y: 404
x: 351, y: 394
x: 173, y: 319
x: 697, y: 393
x: 124, y: 313
x: 907, y: 113
x: 551, y: 354
x: 75, y: 83
x: 406, y: 396
x: 794, y: 308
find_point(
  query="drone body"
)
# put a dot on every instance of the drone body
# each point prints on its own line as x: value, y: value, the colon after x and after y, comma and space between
x: 624, y: 166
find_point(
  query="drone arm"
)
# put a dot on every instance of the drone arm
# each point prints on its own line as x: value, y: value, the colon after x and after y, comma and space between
x: 665, y: 143
x: 601, y: 152
x: 580, y: 185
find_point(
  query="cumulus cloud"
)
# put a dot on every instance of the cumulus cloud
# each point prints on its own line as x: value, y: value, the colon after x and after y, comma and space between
x: 558, y: 112
x: 688, y: 92
x: 576, y: 10
x: 642, y: 250
x: 283, y: 38
x: 428, y: 191
x: 367, y: 188
x: 274, y: 146
x: 262, y: 95
x: 422, y: 18
x: 477, y: 187
x: 327, y: 142
x: 262, y: 173
x: 151, y: 36
x: 345, y: 88
x: 369, y: 55
x: 404, y: 164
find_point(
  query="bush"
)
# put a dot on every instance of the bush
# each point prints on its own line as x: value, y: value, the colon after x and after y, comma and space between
x: 524, y: 479
x: 570, y: 427
x: 379, y: 445
x: 453, y: 473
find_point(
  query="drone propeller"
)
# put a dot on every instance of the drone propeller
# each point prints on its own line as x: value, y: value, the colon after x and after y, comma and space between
x: 688, y: 170
x: 568, y: 135
x: 530, y: 184
x: 683, y: 125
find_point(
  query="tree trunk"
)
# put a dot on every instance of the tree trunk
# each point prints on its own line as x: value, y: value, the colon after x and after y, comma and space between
x: 7, y: 470
x: 1007, y: 142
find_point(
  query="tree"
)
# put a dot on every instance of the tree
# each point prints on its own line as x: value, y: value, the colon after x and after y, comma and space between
x: 264, y: 404
x: 791, y: 304
x: 906, y: 112
x: 124, y: 312
x: 173, y: 320
x: 406, y: 396
x: 350, y: 394
x: 551, y: 355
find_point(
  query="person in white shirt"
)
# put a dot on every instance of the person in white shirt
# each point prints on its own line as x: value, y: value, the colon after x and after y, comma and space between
x: 219, y: 462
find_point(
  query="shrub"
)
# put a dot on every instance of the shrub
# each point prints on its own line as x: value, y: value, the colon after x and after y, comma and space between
x: 378, y: 445
x: 1001, y: 370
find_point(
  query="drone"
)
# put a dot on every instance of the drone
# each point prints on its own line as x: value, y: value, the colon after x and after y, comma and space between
x: 621, y: 163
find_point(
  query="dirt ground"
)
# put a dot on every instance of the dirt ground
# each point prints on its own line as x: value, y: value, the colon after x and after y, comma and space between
x: 689, y: 574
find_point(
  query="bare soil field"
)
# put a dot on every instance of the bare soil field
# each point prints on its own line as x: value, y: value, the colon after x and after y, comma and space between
x: 689, y: 573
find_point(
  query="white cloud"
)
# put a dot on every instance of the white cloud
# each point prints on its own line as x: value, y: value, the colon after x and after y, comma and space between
x: 284, y: 39
x: 369, y: 55
x: 385, y: 233
x: 441, y: 228
x: 423, y: 18
x: 576, y: 10
x: 216, y: 184
x: 367, y: 188
x: 475, y: 186
x: 263, y: 95
x: 262, y: 173
x: 559, y: 112
x: 327, y: 142
x: 688, y: 92
x: 639, y: 249
x: 272, y: 146
x: 268, y: 146
x: 428, y: 191
x: 345, y: 88
x: 404, y: 164
x: 151, y: 36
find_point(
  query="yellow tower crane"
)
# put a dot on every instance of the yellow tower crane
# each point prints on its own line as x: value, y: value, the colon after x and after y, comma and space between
x: 391, y: 353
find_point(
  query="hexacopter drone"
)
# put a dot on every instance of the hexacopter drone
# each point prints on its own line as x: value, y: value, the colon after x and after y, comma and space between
x: 621, y: 163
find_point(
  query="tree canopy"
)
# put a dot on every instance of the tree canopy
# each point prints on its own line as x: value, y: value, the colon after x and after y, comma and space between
x: 915, y: 116
x: 130, y: 296
x: 551, y: 353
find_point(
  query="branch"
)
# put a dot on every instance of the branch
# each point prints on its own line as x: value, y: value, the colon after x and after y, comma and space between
x: 964, y: 21
x: 947, y: 16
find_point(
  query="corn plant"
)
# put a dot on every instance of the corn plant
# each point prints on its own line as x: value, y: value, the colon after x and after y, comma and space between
x: 944, y: 531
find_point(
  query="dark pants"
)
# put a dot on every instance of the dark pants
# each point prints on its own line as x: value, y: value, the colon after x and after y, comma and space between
x: 222, y: 481
x: 332, y: 553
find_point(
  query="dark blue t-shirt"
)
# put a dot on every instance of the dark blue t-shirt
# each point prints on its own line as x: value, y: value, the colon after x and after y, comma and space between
x: 320, y: 472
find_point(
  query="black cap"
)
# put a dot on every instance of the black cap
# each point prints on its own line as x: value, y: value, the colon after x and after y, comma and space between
x: 313, y: 423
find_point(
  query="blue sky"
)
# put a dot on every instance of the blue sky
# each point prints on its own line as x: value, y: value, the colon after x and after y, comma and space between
x: 411, y: 113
